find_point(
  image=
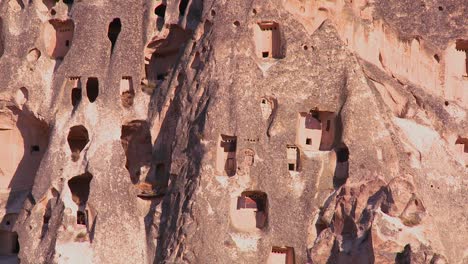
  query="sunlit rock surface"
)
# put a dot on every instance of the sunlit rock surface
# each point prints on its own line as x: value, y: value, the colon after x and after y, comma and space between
x: 282, y: 131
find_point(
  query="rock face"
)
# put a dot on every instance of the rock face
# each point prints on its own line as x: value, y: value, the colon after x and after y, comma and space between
x: 190, y: 131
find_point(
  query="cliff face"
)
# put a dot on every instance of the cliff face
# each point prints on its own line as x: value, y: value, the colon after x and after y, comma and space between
x: 287, y: 131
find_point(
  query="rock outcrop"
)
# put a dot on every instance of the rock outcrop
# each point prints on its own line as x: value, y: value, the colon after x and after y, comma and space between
x: 282, y: 131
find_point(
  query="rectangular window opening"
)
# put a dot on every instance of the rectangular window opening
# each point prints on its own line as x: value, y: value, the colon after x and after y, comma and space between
x: 81, y: 218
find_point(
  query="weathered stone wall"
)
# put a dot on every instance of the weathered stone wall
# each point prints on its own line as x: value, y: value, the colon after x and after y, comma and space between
x: 133, y: 100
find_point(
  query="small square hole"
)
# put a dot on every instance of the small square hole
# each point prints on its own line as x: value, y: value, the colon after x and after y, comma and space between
x: 308, y: 141
x: 265, y: 54
x: 35, y: 148
x: 291, y: 166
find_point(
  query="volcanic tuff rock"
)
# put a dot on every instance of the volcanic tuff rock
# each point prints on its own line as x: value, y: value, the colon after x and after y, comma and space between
x: 190, y: 131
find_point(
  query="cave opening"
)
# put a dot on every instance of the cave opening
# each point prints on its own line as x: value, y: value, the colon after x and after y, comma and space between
x: 136, y: 142
x: 113, y: 33
x: 160, y: 10
x: 79, y: 187
x: 76, y: 91
x: 9, y: 242
x: 182, y: 7
x: 127, y: 93
x: 77, y: 139
x: 92, y: 89
x: 342, y: 166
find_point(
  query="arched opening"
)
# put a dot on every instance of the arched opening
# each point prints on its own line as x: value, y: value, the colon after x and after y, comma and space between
x: 127, y: 93
x: 266, y: 106
x: 58, y: 36
x: 77, y: 139
x: 113, y: 33
x: 21, y: 96
x: 160, y: 10
x: 182, y: 7
x: 79, y: 187
x: 136, y: 142
x: 76, y: 91
x: 92, y: 89
x: 76, y: 96
x: 250, y: 211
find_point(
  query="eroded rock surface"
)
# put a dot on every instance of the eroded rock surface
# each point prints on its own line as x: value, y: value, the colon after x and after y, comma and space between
x: 283, y: 131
